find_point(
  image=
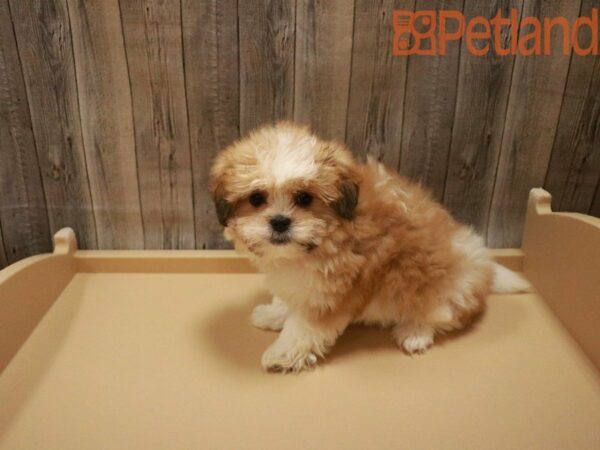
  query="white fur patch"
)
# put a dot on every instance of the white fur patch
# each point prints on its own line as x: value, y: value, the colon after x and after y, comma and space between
x: 477, y: 258
x: 471, y: 244
x: 292, y: 157
x: 271, y: 316
x: 296, y: 284
x: 506, y: 281
x: 412, y: 338
x: 296, y: 348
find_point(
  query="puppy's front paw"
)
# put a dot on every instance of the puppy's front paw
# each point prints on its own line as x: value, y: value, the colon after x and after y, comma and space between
x: 293, y: 359
x: 414, y: 339
x: 269, y: 317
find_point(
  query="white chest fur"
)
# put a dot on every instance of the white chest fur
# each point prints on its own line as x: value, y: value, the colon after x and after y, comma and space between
x: 298, y: 286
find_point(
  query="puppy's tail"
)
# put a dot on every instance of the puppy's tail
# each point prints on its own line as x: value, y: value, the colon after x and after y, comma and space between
x: 508, y: 282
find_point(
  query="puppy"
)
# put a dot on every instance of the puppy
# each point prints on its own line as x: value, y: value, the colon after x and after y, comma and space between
x: 343, y: 242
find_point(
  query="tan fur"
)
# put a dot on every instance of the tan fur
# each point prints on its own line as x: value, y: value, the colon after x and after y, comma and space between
x: 401, y: 259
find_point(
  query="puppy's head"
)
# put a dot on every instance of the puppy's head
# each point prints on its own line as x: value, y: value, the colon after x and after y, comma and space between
x: 281, y: 191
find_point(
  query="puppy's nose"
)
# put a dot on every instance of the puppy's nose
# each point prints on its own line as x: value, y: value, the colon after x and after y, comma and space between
x: 280, y: 223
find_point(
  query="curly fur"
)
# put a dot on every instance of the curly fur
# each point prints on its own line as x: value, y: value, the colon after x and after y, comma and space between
x: 372, y: 247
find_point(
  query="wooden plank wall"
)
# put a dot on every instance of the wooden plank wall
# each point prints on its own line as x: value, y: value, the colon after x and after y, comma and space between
x: 111, y: 111
x: 481, y: 99
x: 23, y: 205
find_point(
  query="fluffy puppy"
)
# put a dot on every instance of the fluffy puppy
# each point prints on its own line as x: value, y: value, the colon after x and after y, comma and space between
x: 343, y: 242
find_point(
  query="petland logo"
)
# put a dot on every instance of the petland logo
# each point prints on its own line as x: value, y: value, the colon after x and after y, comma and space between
x: 429, y: 32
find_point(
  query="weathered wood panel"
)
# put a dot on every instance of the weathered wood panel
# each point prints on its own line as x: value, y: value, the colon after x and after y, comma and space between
x: 377, y: 85
x: 595, y: 208
x: 429, y: 107
x: 210, y: 40
x: 129, y: 101
x: 574, y: 168
x: 152, y: 31
x: 23, y: 211
x: 107, y: 121
x: 532, y: 116
x: 482, y: 96
x: 44, y: 39
x: 266, y: 49
x: 322, y: 65
x: 3, y: 258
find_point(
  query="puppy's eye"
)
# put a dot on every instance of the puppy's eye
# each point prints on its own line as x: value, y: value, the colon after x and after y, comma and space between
x: 303, y: 199
x: 257, y: 199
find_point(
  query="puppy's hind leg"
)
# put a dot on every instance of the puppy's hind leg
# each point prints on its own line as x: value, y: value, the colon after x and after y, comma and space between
x: 271, y: 316
x: 417, y: 336
x: 413, y: 338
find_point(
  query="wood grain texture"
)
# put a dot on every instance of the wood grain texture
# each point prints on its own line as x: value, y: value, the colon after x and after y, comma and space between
x: 266, y: 49
x: 112, y: 111
x: 378, y: 83
x: 210, y: 40
x: 595, y: 208
x: 322, y: 65
x: 23, y: 212
x: 153, y: 42
x: 3, y: 258
x: 429, y: 107
x: 532, y: 116
x: 574, y: 168
x: 481, y: 100
x: 44, y: 37
x: 107, y: 121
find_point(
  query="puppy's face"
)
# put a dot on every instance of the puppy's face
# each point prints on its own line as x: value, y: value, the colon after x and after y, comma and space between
x: 281, y: 191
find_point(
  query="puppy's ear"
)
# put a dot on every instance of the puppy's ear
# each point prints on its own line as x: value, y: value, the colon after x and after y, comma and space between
x: 337, y: 163
x: 217, y: 187
x: 223, y: 208
x: 346, y: 203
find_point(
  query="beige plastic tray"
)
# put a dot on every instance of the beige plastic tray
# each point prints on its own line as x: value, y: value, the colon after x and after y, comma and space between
x: 154, y: 350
